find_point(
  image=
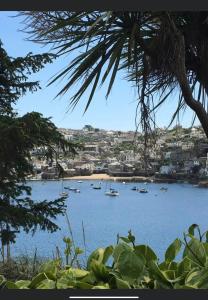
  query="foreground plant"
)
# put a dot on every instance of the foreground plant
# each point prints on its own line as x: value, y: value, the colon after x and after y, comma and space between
x: 129, y: 266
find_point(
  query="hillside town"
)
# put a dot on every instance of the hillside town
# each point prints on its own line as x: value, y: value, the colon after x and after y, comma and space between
x: 177, y: 153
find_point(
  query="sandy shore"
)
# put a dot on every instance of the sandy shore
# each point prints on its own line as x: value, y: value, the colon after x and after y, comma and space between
x: 92, y: 177
x: 106, y: 177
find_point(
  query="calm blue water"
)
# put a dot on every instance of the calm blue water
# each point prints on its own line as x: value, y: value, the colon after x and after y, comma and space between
x: 156, y: 218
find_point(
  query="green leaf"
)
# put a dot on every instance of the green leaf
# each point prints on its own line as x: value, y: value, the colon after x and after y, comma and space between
x: 158, y: 275
x: 77, y: 273
x: 121, y: 247
x: 182, y: 287
x: 125, y: 239
x: 83, y: 285
x: 23, y: 284
x: 101, y: 287
x: 197, y: 279
x: 51, y: 268
x: 107, y: 253
x: 11, y: 285
x: 173, y: 250
x: 46, y: 284
x: 98, y: 255
x: 2, y: 279
x: 195, y: 251
x: 99, y: 270
x: 146, y: 251
x: 130, y: 265
x: 192, y: 228
x: 37, y: 280
x: 122, y: 284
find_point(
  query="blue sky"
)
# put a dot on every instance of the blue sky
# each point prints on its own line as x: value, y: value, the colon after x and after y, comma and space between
x: 117, y: 113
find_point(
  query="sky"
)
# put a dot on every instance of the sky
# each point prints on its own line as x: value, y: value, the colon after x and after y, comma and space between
x: 116, y: 113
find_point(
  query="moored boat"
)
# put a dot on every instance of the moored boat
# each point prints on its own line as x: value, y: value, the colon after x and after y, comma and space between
x: 164, y: 189
x: 64, y: 194
x: 143, y: 191
x: 97, y: 187
x: 112, y: 193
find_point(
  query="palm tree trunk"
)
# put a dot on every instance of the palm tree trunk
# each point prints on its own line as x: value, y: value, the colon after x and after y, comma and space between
x: 181, y: 76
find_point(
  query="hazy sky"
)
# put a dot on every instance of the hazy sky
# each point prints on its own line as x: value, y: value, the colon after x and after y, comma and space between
x: 117, y: 113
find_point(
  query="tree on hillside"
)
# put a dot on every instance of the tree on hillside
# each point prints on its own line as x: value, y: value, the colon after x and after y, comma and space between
x: 88, y: 128
x: 18, y: 137
x: 160, y: 52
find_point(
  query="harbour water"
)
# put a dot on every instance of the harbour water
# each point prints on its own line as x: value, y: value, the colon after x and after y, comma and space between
x: 155, y: 218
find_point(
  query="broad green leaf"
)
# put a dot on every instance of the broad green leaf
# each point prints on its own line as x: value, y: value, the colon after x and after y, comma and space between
x: 171, y: 276
x: 182, y: 287
x: 166, y: 265
x: 23, y: 284
x: 195, y: 251
x: 198, y: 279
x: 37, y: 280
x: 77, y: 273
x: 158, y: 275
x: 130, y: 265
x: 11, y: 285
x: 184, y: 266
x: 192, y: 228
x: 99, y: 270
x: 107, y: 253
x: 98, y: 255
x: 101, y: 287
x: 83, y: 285
x: 2, y: 279
x: 65, y: 283
x: 121, y: 247
x: 122, y: 284
x: 47, y: 284
x: 125, y: 239
x: 51, y: 269
x: 173, y: 250
x: 146, y: 251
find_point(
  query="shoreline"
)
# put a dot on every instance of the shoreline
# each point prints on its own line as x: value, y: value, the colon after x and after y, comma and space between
x: 103, y: 176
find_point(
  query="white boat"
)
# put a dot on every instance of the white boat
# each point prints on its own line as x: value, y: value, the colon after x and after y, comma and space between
x: 74, y: 190
x: 79, y: 181
x: 112, y: 193
x: 143, y: 191
x: 64, y: 194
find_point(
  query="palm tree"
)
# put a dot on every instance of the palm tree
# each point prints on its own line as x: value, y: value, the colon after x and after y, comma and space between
x: 160, y: 53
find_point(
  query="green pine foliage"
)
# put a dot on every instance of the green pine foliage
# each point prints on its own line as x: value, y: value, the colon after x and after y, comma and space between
x: 18, y: 137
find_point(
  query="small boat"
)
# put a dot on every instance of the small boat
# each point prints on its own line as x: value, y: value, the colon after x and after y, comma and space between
x: 74, y: 190
x: 64, y: 194
x: 79, y: 181
x: 98, y: 187
x: 143, y: 191
x: 134, y: 188
x: 145, y: 182
x: 164, y: 189
x: 112, y: 193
